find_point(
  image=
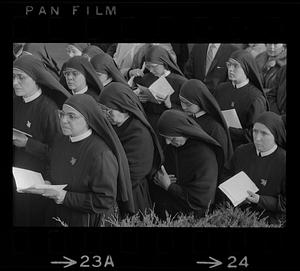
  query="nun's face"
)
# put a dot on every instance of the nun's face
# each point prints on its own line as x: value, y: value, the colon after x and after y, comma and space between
x: 188, y: 107
x: 274, y: 49
x: 72, y: 122
x: 75, y: 79
x: 103, y: 77
x: 235, y: 71
x: 176, y: 141
x: 87, y: 56
x: 262, y: 137
x: 73, y: 51
x: 23, y: 84
x: 114, y: 116
x: 156, y: 69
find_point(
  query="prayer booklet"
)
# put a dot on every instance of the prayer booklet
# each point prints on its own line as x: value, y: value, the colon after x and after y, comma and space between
x: 141, y: 90
x: 28, y: 181
x: 231, y: 118
x: 161, y: 88
x: 235, y: 188
x: 16, y: 132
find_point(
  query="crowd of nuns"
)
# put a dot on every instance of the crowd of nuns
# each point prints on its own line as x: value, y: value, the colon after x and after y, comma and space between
x: 89, y: 122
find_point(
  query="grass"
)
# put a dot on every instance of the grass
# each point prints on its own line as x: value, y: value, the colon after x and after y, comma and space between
x: 224, y: 216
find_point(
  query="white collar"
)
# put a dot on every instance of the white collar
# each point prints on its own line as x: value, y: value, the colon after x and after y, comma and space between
x: 33, y: 96
x: 80, y: 91
x: 267, y: 152
x: 199, y: 114
x: 240, y: 85
x: 166, y: 73
x: 107, y: 81
x: 81, y: 137
x: 216, y: 45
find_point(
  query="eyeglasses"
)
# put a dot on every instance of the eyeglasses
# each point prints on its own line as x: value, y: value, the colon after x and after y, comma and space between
x: 151, y: 66
x: 19, y: 77
x: 72, y: 73
x: 105, y: 109
x: 69, y: 116
x: 185, y: 101
x: 234, y: 65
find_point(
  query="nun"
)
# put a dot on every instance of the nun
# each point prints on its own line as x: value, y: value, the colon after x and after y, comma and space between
x: 92, y: 51
x: 160, y: 64
x: 37, y: 97
x: 91, y: 161
x: 264, y: 161
x: 244, y: 93
x: 79, y: 77
x: 76, y: 49
x: 187, y: 182
x: 198, y: 102
x: 40, y: 51
x: 143, y: 151
x: 107, y: 69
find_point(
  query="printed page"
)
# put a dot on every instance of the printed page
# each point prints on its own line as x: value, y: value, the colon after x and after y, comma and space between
x: 43, y: 188
x: 25, y: 178
x: 235, y: 188
x: 28, y: 181
x: 145, y: 91
x: 161, y: 88
x: 231, y: 118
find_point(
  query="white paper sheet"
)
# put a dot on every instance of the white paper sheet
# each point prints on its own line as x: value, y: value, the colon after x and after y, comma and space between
x: 43, y: 188
x: 141, y: 90
x: 161, y: 88
x: 235, y: 188
x: 21, y: 132
x: 25, y: 178
x: 28, y: 181
x: 231, y: 118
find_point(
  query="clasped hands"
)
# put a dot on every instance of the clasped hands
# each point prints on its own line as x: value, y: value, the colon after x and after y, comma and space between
x: 162, y: 178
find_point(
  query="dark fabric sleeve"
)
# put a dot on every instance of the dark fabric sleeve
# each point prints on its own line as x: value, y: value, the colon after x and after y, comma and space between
x: 102, y: 182
x: 200, y: 191
x: 267, y: 203
x: 140, y: 154
x: 272, y: 203
x: 244, y: 135
x: 239, y: 135
x: 37, y: 148
x: 189, y: 66
x: 272, y: 98
x: 50, y: 129
x: 277, y: 95
x: 257, y: 107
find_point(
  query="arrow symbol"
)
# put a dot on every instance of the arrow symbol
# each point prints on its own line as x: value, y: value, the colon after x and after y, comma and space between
x: 215, y: 262
x: 70, y: 262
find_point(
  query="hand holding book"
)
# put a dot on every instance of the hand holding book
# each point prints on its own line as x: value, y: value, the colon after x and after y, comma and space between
x: 20, y: 138
x: 240, y: 188
x: 145, y: 95
x: 253, y: 197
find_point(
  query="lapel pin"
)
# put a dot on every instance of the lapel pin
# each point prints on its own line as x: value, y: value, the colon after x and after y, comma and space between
x: 73, y: 161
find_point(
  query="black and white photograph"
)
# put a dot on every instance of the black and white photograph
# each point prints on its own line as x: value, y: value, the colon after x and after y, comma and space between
x: 145, y: 134
x: 148, y: 136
